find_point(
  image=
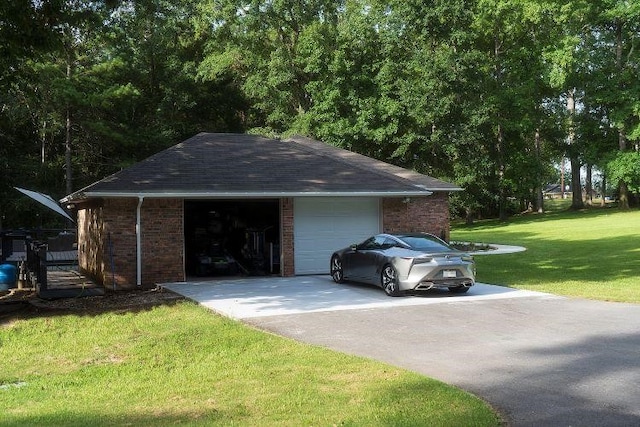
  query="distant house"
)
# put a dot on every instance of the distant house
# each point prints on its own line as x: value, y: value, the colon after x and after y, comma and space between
x: 234, y: 203
x: 553, y: 191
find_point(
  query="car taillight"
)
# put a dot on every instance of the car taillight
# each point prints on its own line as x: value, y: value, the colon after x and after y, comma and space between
x: 422, y: 260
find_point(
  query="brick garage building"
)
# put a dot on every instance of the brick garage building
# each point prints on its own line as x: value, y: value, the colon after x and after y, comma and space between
x: 219, y: 204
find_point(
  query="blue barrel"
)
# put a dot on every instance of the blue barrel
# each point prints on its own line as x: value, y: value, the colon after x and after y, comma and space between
x: 7, y: 276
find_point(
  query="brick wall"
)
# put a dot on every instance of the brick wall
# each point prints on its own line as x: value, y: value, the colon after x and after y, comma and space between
x: 91, y: 241
x: 162, y: 241
x: 417, y: 214
x: 287, y: 266
x: 108, y: 244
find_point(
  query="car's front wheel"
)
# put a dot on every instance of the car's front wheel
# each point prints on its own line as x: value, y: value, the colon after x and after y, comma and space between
x: 389, y: 281
x: 337, y: 273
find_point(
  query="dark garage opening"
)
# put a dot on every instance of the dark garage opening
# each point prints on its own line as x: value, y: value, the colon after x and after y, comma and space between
x: 232, y: 237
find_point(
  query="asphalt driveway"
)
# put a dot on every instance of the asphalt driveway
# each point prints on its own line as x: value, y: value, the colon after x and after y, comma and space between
x: 539, y: 359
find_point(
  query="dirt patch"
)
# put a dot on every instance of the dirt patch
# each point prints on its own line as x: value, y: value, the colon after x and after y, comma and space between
x: 26, y: 303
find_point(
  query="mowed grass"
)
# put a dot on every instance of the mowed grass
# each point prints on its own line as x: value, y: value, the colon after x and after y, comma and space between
x: 184, y: 365
x: 592, y: 254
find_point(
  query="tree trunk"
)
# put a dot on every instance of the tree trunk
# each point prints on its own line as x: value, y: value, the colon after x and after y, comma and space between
x: 576, y: 186
x: 588, y: 186
x: 538, y: 190
x: 67, y: 140
x: 469, y: 216
x: 623, y: 191
x: 502, y: 194
x: 623, y: 199
x: 43, y: 139
x: 623, y: 196
x: 562, y: 171
x: 576, y: 190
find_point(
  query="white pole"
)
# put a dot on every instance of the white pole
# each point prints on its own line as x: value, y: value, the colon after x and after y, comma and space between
x: 139, y: 243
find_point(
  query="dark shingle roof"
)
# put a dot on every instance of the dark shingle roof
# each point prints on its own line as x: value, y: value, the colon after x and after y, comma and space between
x: 235, y: 165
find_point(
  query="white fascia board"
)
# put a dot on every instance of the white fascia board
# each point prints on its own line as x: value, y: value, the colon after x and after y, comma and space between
x: 245, y: 195
x: 447, y: 190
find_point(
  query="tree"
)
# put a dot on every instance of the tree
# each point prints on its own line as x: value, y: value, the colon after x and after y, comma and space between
x: 625, y: 167
x: 263, y: 46
x: 27, y: 31
x: 609, y: 71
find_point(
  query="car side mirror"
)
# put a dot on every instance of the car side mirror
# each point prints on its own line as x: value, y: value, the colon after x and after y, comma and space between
x: 354, y: 247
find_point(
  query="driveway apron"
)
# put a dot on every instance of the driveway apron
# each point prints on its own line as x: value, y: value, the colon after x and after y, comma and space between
x: 539, y: 359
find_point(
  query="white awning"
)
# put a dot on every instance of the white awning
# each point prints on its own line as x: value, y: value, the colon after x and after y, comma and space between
x: 47, y: 201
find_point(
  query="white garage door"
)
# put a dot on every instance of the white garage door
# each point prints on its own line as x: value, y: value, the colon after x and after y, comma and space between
x: 323, y: 224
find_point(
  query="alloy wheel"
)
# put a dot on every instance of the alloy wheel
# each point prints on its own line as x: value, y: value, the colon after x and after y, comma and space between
x: 389, y: 281
x: 337, y: 274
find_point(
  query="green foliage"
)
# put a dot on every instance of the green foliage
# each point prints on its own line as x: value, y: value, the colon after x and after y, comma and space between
x: 625, y: 166
x: 473, y: 92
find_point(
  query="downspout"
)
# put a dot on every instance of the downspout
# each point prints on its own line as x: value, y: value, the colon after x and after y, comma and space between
x: 139, y: 243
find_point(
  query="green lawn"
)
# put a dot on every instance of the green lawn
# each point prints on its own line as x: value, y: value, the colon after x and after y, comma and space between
x: 593, y: 253
x: 182, y: 364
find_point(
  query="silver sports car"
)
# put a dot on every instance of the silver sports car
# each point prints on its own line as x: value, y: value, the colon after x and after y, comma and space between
x: 405, y: 262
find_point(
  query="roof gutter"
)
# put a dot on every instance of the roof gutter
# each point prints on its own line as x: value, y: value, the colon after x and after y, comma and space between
x: 139, y: 242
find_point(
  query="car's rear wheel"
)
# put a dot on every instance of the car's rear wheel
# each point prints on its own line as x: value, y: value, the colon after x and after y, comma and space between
x: 389, y: 281
x: 458, y: 289
x: 337, y: 273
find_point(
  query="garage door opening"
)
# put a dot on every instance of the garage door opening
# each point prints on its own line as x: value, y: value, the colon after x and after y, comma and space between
x: 232, y: 237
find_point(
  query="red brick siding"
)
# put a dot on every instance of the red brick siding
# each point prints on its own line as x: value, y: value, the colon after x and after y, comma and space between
x: 109, y: 229
x: 417, y: 214
x: 287, y: 266
x: 91, y: 241
x: 162, y: 241
x: 120, y: 225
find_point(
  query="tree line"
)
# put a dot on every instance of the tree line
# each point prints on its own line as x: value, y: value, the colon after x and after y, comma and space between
x: 488, y: 94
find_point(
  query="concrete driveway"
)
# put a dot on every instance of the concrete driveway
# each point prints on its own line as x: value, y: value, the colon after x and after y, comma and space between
x: 539, y: 359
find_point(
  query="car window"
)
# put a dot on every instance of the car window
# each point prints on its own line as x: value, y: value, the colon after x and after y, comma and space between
x: 376, y: 242
x: 368, y: 244
x: 389, y: 243
x: 426, y: 244
x: 380, y: 242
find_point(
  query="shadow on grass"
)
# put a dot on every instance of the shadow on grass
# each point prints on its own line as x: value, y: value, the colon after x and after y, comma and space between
x: 402, y: 400
x: 27, y: 304
x: 71, y: 419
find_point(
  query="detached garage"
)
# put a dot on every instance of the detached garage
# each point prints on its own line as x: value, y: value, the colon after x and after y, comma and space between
x: 234, y: 204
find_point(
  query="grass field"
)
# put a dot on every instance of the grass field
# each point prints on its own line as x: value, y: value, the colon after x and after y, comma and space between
x: 183, y: 365
x: 593, y: 253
